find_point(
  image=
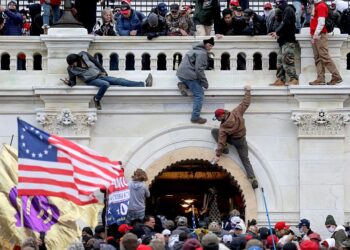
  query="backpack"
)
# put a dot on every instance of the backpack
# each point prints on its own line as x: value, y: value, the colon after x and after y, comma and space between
x: 329, y: 22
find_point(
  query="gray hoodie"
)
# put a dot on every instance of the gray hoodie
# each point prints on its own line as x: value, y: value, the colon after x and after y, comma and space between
x: 138, y: 194
x: 193, y: 65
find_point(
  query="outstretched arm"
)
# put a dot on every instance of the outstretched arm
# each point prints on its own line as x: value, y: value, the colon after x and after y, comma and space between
x: 242, y: 107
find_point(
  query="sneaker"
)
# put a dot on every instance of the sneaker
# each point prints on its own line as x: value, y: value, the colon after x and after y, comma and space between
x: 149, y: 80
x: 317, y: 82
x: 183, y: 89
x: 278, y: 82
x: 254, y: 182
x: 97, y: 104
x: 292, y: 82
x: 199, y: 120
x: 335, y: 81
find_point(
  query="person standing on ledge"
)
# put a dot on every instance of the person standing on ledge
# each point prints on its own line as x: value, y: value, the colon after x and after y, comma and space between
x: 90, y: 71
x: 319, y: 40
x: 192, y: 76
x: 233, y: 131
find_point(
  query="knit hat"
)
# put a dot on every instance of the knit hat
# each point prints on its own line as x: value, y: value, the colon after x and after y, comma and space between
x: 191, y: 244
x: 210, y: 239
x: 304, y: 222
x: 263, y: 233
x: 281, y: 225
x: 72, y: 58
x: 309, y: 245
x: 330, y: 220
x: 99, y: 229
x: 153, y: 19
x: 14, y: 2
x: 210, y: 40
x: 290, y: 246
x: 162, y: 9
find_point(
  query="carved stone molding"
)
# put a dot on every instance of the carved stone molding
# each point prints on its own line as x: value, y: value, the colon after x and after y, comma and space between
x: 321, y: 124
x: 66, y: 122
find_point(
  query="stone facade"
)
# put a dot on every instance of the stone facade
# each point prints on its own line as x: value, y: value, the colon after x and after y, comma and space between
x: 298, y: 136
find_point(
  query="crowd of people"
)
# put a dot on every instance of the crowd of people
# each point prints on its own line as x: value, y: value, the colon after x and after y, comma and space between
x: 163, y: 20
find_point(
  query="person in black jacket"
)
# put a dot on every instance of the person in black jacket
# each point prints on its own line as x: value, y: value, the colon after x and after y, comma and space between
x: 228, y: 26
x: 254, y: 24
x: 154, y: 26
x: 285, y: 34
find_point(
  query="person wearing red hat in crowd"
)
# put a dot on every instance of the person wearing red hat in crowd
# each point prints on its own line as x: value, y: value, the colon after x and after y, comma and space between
x: 233, y: 131
x: 309, y: 245
x: 268, y: 16
x: 315, y: 237
x: 269, y: 241
x: 124, y: 228
x: 283, y: 232
x: 129, y: 21
x: 319, y: 40
x: 232, y: 4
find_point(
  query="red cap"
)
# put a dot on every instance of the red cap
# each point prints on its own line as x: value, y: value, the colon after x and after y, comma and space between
x: 268, y: 5
x: 124, y: 228
x: 269, y: 240
x: 281, y: 225
x: 143, y: 247
x: 126, y: 1
x: 315, y: 237
x: 309, y: 245
x: 234, y: 2
x: 219, y: 112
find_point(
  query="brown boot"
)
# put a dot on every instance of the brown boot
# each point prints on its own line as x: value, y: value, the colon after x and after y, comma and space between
x: 293, y: 82
x: 317, y: 82
x: 335, y: 81
x: 278, y: 82
x: 199, y: 120
x: 183, y: 89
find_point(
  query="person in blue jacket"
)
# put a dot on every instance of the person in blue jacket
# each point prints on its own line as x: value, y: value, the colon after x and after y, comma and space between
x: 129, y: 21
x: 14, y: 20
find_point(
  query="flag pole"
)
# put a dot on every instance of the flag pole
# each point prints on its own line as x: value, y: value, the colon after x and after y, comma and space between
x: 268, y: 219
x: 106, y: 205
x: 22, y: 213
x: 11, y: 140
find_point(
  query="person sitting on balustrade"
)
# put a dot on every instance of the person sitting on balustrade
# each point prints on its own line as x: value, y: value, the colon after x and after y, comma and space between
x: 129, y: 21
x: 154, y: 26
x: 13, y: 20
x: 107, y: 27
x: 179, y: 22
x: 89, y: 70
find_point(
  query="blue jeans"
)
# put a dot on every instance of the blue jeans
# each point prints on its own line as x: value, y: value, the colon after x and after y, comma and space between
x: 198, y: 95
x: 297, y: 6
x: 104, y: 82
x: 55, y: 11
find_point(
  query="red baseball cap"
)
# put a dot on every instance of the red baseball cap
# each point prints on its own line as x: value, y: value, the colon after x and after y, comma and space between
x: 234, y: 2
x: 281, y: 225
x: 268, y: 5
x: 124, y: 228
x: 126, y: 1
x: 218, y: 113
x: 309, y: 245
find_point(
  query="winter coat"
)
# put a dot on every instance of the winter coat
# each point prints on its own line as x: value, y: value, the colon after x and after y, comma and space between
x: 182, y: 22
x: 193, y: 65
x: 207, y: 12
x: 106, y: 30
x: 234, y: 124
x: 138, y: 194
x: 286, y: 30
x: 93, y: 70
x: 13, y: 24
x: 339, y: 235
x: 134, y: 22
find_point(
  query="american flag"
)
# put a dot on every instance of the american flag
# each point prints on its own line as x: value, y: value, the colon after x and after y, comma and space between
x: 53, y: 166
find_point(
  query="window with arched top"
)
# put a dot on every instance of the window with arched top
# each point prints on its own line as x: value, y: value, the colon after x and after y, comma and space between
x: 99, y: 58
x: 257, y: 61
x: 129, y: 61
x: 348, y: 61
x: 21, y: 61
x: 241, y: 61
x: 161, y: 62
x: 225, y: 61
x: 37, y: 62
x: 210, y: 65
x: 114, y: 61
x: 5, y: 61
x: 177, y: 58
x: 146, y: 61
x: 273, y: 61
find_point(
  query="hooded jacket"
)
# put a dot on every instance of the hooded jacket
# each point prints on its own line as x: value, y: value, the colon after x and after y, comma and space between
x: 234, y: 124
x: 286, y: 30
x: 339, y: 235
x: 138, y: 194
x: 193, y: 65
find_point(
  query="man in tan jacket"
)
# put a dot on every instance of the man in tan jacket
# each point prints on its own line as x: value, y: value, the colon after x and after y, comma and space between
x: 233, y: 131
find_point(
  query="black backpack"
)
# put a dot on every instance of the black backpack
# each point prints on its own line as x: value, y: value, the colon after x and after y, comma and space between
x: 329, y: 23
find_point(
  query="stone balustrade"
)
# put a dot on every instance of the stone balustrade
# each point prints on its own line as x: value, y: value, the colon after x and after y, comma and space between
x: 239, y: 59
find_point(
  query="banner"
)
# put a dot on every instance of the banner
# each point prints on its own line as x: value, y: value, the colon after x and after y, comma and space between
x: 61, y: 220
x: 118, y: 201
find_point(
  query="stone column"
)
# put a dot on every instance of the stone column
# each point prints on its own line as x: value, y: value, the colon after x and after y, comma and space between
x: 321, y: 121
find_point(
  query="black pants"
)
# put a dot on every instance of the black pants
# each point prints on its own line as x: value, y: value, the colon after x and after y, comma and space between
x: 242, y: 150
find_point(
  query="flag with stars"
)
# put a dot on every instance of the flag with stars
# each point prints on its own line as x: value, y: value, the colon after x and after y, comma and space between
x: 53, y: 166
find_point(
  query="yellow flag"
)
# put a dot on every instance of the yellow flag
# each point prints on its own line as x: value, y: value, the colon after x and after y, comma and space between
x: 61, y: 220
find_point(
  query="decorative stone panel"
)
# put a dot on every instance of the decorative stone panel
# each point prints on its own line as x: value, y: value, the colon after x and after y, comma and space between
x: 321, y: 124
x: 67, y: 123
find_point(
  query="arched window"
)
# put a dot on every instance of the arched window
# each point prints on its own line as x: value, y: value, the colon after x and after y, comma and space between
x: 225, y: 61
x: 37, y: 62
x: 5, y: 61
x: 273, y: 61
x: 161, y: 62
x: 241, y: 61
x: 146, y: 61
x: 130, y: 61
x: 114, y: 61
x: 177, y: 58
x: 257, y: 61
x: 21, y: 61
x: 99, y: 58
x: 210, y: 65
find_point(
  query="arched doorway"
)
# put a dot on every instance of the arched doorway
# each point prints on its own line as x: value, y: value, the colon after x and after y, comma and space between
x: 190, y: 179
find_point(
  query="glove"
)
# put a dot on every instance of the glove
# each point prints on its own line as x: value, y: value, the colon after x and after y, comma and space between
x: 205, y: 85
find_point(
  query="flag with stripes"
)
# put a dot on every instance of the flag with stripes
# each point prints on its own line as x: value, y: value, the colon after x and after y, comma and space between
x: 53, y: 166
